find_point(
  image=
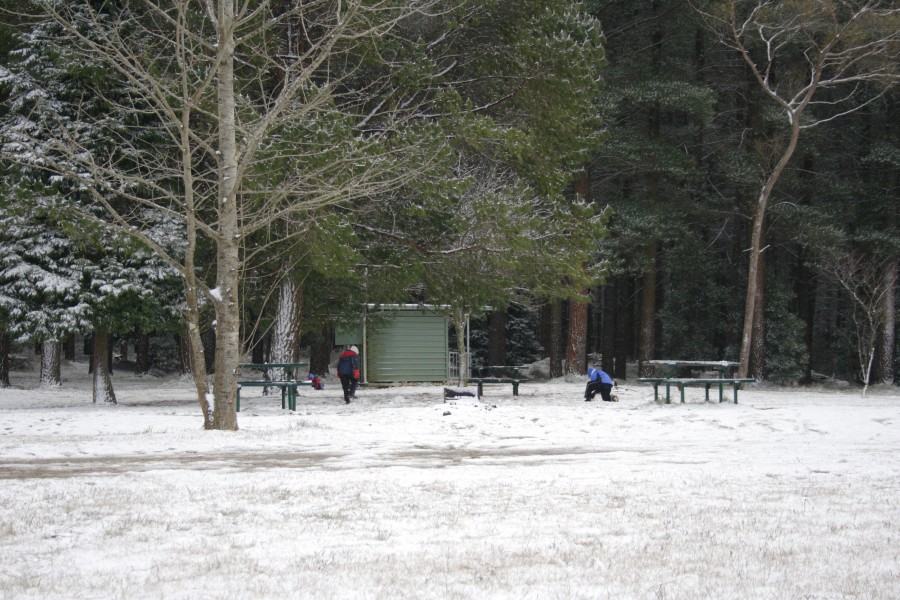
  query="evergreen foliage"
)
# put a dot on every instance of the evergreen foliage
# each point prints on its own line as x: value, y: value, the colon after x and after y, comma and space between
x: 431, y: 159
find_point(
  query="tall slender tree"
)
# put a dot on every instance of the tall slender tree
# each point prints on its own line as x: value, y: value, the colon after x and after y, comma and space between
x: 839, y: 53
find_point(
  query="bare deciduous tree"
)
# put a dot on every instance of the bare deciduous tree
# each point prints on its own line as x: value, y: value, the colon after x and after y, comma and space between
x: 837, y: 55
x: 239, y: 115
x: 863, y: 279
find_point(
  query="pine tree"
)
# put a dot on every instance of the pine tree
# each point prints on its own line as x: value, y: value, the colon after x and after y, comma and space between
x: 655, y: 104
x: 63, y: 272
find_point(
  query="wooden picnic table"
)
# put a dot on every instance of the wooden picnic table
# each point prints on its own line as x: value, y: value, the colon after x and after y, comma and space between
x: 288, y: 385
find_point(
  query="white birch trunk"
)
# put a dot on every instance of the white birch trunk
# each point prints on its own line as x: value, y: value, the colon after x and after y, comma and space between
x: 459, y: 326
x: 286, y: 332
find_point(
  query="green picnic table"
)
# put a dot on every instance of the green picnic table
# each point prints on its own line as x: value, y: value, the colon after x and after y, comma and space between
x: 288, y: 384
x: 498, y: 374
x: 682, y: 383
x: 669, y: 377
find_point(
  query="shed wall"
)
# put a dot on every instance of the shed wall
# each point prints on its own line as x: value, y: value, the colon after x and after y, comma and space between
x: 410, y: 346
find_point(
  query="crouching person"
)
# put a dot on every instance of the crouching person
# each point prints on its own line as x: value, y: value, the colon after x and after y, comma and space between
x: 598, y: 381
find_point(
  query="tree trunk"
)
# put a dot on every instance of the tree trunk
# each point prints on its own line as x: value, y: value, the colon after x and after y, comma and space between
x: 286, y: 334
x: 459, y: 328
x: 887, y: 339
x: 87, y: 349
x: 546, y: 328
x: 50, y: 363
x: 102, y: 382
x: 756, y: 248
x: 556, y: 338
x: 208, y: 339
x: 624, y: 333
x: 225, y: 301
x: 576, y: 346
x: 5, y: 348
x: 192, y: 351
x: 496, y: 350
x: 197, y: 363
x: 260, y: 349
x: 184, y: 355
x: 647, y: 327
x: 141, y: 352
x: 595, y: 321
x: 758, y: 352
x: 69, y: 347
x: 609, y: 317
x: 576, y: 342
x: 805, y: 290
x: 320, y: 350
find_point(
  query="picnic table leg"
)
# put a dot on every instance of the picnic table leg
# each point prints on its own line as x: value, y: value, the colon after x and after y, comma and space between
x: 238, y: 403
x: 282, y: 397
x: 480, y: 389
x: 736, y: 386
x: 721, y: 393
x: 515, y: 388
x: 656, y: 392
x: 668, y: 397
x: 707, y: 391
x: 681, y: 387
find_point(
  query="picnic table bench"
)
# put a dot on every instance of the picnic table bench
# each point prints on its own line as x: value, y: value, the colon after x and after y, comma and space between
x: 720, y: 382
x: 669, y: 378
x: 514, y: 380
x: 288, y: 385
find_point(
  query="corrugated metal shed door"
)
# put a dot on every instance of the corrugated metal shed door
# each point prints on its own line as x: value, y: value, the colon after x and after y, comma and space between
x: 411, y: 346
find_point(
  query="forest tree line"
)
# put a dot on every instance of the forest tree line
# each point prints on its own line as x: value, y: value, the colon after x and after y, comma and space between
x: 605, y: 175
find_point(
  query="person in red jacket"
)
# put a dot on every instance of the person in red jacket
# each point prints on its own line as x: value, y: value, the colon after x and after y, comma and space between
x: 348, y: 371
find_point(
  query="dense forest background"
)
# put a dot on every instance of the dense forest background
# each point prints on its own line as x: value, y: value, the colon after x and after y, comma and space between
x: 589, y: 171
x: 690, y: 138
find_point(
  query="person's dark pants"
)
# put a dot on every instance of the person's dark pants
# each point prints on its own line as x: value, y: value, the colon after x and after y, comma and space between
x: 593, y: 387
x: 348, y: 383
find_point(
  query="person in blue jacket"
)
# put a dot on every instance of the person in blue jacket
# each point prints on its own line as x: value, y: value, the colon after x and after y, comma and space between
x: 599, y: 381
x: 348, y: 372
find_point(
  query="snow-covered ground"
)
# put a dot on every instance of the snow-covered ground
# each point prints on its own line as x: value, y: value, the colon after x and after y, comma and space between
x: 793, y: 493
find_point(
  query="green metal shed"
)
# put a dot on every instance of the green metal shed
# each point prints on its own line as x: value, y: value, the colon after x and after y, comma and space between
x: 400, y: 343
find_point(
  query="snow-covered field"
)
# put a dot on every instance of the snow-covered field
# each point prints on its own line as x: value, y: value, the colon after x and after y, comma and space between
x: 792, y: 493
